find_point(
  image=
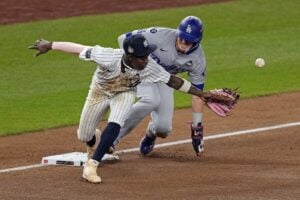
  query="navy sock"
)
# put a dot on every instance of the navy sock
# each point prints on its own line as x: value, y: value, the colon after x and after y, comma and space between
x: 108, y: 137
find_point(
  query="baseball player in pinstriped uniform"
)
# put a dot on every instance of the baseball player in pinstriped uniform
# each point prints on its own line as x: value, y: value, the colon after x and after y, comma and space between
x: 113, y: 86
x: 178, y: 51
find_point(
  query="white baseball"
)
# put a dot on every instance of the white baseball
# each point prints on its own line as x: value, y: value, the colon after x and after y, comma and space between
x: 260, y: 62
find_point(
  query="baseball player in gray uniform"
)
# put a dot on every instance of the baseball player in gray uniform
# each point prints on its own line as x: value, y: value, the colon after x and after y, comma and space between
x: 113, y: 86
x: 178, y: 51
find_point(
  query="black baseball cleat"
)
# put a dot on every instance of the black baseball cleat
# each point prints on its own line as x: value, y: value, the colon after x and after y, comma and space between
x: 147, y: 144
x: 197, y: 139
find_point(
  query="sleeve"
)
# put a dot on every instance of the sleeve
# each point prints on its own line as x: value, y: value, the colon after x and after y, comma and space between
x: 199, y: 86
x: 85, y: 54
x: 197, y: 74
x: 98, y: 54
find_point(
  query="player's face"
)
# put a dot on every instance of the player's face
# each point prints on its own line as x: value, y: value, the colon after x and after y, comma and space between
x: 138, y: 63
x: 183, y: 46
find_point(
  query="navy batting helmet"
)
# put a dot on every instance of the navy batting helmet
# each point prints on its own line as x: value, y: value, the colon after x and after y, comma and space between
x: 190, y: 29
x: 138, y: 46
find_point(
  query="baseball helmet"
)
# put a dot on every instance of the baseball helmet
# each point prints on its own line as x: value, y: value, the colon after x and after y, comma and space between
x: 190, y: 29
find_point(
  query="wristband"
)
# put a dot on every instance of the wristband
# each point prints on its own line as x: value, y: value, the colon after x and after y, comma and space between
x: 186, y: 86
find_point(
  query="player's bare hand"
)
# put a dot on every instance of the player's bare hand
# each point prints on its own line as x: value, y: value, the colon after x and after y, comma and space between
x: 42, y: 46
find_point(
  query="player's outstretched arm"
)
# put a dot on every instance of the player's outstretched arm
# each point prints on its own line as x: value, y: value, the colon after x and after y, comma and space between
x: 185, y: 86
x: 43, y: 46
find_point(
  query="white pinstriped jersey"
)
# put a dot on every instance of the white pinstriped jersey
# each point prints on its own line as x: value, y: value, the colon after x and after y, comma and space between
x: 166, y: 55
x: 109, y: 76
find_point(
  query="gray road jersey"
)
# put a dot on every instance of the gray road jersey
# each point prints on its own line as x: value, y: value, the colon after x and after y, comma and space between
x: 167, y: 56
x: 108, y: 74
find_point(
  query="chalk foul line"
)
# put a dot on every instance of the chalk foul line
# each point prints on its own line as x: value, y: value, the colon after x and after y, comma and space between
x: 210, y: 137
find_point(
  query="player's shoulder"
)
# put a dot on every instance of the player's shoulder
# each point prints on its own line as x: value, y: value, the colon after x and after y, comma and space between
x: 104, y: 55
x: 159, y: 35
x: 106, y: 50
x: 160, y: 30
x: 155, y: 31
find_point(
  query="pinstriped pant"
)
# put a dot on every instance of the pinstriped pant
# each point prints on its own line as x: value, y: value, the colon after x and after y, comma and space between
x: 96, y: 106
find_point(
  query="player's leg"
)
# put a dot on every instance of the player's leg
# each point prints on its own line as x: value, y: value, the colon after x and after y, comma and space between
x: 149, y: 99
x: 197, y: 125
x: 120, y: 106
x: 90, y: 118
x: 161, y: 120
x: 93, y: 111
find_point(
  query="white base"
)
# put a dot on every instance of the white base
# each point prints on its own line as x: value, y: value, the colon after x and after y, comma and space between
x: 73, y: 159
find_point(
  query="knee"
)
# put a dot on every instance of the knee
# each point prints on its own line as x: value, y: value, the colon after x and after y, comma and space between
x: 163, y: 131
x: 84, y: 135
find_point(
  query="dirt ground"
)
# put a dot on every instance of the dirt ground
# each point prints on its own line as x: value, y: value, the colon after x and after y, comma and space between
x: 14, y: 11
x: 264, y: 165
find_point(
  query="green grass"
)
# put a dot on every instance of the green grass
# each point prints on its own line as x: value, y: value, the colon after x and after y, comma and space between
x: 49, y: 91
